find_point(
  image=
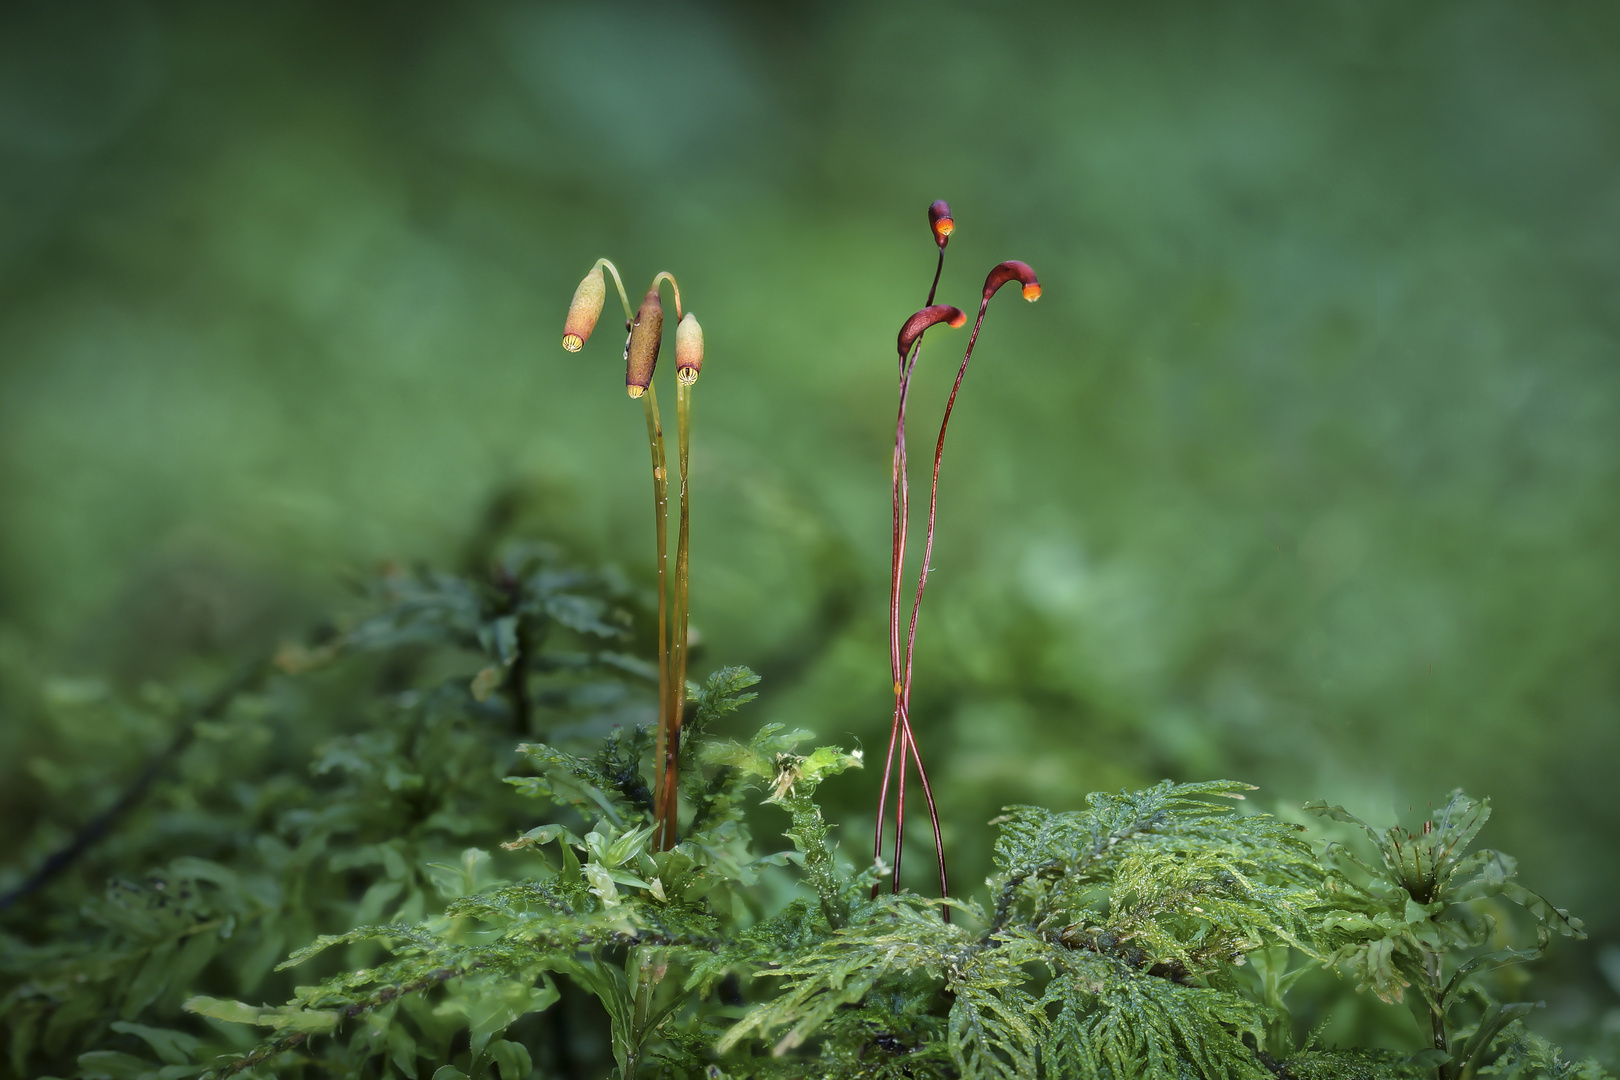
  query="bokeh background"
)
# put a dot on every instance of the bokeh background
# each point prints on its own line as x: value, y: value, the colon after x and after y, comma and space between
x: 1305, y: 470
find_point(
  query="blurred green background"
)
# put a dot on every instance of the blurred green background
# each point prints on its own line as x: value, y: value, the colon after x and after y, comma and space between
x: 1305, y: 470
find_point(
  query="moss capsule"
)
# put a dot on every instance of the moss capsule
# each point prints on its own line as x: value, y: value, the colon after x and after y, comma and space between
x: 585, y: 309
x: 1010, y: 271
x: 922, y: 320
x: 641, y: 353
x: 688, y: 349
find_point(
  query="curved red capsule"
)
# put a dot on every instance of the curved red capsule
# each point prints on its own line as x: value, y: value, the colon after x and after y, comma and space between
x: 1010, y: 271
x: 928, y: 316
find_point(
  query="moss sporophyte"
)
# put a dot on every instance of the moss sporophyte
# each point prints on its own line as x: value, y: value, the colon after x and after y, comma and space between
x: 642, y: 346
x: 645, y: 332
x: 902, y: 737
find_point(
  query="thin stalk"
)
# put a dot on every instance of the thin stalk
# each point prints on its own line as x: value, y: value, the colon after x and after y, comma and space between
x: 624, y: 297
x: 896, y: 555
x: 900, y: 729
x: 909, y: 741
x: 933, y: 811
x: 672, y: 749
x: 655, y: 440
x: 665, y: 275
x: 933, y: 499
x: 916, y: 606
x: 671, y: 649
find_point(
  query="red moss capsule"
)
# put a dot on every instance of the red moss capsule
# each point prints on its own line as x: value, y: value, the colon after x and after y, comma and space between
x: 585, y: 310
x: 928, y: 316
x: 1009, y: 271
x: 688, y: 349
x: 641, y: 353
x: 939, y: 220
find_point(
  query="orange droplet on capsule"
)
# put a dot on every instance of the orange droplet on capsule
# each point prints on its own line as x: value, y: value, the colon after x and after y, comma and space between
x: 940, y: 221
x: 1008, y: 272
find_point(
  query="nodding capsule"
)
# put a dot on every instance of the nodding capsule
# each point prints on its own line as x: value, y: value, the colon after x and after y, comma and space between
x: 641, y: 353
x: 688, y: 350
x: 922, y: 320
x: 940, y: 222
x: 585, y: 309
x: 1010, y: 271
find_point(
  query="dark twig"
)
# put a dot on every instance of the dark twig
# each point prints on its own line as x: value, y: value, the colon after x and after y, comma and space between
x: 103, y: 823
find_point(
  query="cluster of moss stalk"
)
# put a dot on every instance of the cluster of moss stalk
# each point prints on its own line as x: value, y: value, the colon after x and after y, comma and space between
x: 941, y: 224
x: 644, y: 336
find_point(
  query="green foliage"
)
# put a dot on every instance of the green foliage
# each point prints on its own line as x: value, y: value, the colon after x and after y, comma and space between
x: 422, y: 899
x: 1133, y: 866
x: 1527, y: 1055
x: 315, y: 800
x: 1110, y: 952
x: 1429, y: 917
x: 1237, y: 512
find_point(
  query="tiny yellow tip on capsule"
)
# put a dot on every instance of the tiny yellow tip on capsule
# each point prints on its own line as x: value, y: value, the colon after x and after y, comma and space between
x: 573, y: 342
x: 687, y: 376
x: 945, y: 227
x: 956, y: 321
x: 1032, y: 292
x: 635, y: 391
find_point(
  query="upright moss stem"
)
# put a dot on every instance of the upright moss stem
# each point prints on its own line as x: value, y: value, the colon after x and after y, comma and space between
x: 671, y: 626
x: 672, y: 749
x: 933, y: 501
x: 644, y: 332
x: 655, y: 441
x: 896, y: 566
x: 896, y: 548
